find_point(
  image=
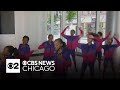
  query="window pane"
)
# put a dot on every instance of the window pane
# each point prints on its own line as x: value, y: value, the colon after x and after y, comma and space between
x: 57, y: 17
x: 88, y: 23
x: 48, y: 22
x: 56, y: 24
x: 71, y: 20
x: 102, y: 26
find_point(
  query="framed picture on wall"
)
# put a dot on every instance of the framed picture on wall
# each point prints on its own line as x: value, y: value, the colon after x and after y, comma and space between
x: 7, y: 22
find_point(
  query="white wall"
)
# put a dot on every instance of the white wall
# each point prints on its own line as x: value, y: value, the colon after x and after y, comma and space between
x: 35, y: 27
x: 117, y: 32
x: 112, y: 24
x: 31, y: 23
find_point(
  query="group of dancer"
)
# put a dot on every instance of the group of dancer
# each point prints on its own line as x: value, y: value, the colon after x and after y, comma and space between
x: 61, y: 52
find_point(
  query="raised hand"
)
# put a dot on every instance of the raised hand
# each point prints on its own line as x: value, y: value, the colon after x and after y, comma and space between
x: 67, y: 27
x: 79, y: 28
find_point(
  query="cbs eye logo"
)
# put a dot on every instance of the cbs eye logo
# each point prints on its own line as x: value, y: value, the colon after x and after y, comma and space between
x: 12, y: 65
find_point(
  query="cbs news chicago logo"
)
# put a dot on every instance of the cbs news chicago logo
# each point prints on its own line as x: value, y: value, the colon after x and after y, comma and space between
x: 12, y: 65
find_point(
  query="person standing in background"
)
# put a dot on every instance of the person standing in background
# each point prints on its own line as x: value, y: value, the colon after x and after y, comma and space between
x: 49, y: 48
x: 72, y: 41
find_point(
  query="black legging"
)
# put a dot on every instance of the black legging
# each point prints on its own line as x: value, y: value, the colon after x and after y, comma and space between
x: 99, y: 56
x: 84, y: 66
x: 106, y: 62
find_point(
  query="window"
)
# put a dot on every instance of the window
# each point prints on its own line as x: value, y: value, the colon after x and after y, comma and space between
x: 102, y: 25
x: 71, y: 20
x: 57, y: 17
x: 88, y: 20
x: 53, y: 23
x: 7, y: 25
x: 48, y: 23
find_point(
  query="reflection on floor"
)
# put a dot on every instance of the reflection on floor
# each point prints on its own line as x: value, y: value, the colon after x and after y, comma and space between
x: 72, y: 74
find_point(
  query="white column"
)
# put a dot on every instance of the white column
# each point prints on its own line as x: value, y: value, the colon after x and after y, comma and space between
x: 112, y: 24
x: 52, y: 21
x: 79, y: 25
x: 61, y: 25
x: 117, y: 32
x: 79, y: 21
x: 97, y: 21
x: 63, y: 21
x: 117, y: 22
x: 43, y: 25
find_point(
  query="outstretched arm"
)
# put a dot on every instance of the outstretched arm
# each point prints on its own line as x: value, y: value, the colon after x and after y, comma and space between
x: 108, y: 35
x: 98, y: 43
x: 81, y: 46
x: 65, y: 36
x: 97, y: 39
x: 41, y: 46
x: 118, y: 42
x: 26, y: 57
x: 29, y: 55
x: 94, y: 38
x: 81, y: 32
